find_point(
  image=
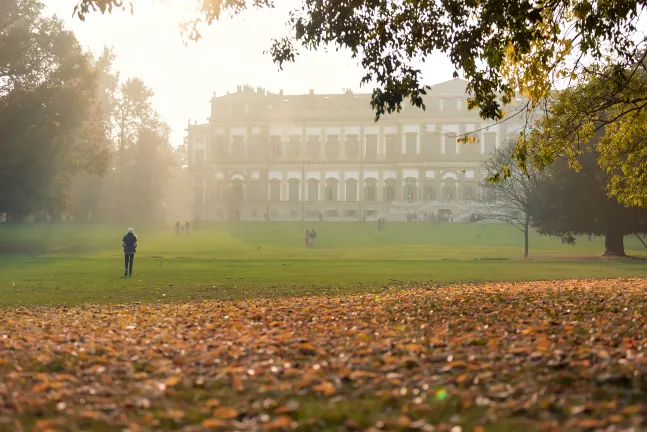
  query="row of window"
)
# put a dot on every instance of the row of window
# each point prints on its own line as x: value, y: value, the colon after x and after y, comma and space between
x: 431, y: 143
x: 330, y: 193
x: 314, y: 214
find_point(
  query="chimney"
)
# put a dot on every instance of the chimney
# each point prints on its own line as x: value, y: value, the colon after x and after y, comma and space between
x: 238, y: 89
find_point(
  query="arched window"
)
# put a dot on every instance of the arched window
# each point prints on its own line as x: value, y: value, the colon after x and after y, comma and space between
x: 449, y: 191
x: 351, y: 190
x: 429, y: 192
x: 313, y: 190
x: 389, y: 190
x: 237, y: 190
x: 293, y: 189
x: 370, y: 190
x: 275, y: 190
x: 410, y: 189
x: 331, y: 189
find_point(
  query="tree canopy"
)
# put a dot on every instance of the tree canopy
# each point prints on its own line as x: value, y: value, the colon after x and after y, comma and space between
x: 50, y: 118
x: 604, y: 113
x: 73, y: 135
x: 501, y: 47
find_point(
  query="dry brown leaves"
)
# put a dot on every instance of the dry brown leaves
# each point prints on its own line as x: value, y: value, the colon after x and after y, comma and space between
x: 566, y: 355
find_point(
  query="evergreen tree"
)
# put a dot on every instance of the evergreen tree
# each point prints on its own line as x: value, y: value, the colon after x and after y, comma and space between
x: 569, y: 203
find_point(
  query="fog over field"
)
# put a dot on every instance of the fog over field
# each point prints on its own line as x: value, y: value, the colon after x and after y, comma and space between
x: 339, y: 216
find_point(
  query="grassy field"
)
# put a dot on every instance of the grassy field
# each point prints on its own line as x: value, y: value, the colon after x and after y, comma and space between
x: 72, y: 264
x: 402, y: 350
x: 495, y: 357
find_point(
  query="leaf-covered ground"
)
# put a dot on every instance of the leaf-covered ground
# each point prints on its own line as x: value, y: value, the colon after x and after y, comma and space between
x: 567, y: 355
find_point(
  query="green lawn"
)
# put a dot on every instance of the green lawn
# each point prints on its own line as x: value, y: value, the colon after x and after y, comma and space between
x: 71, y: 264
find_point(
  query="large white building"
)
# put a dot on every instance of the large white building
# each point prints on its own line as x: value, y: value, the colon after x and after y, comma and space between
x: 296, y: 157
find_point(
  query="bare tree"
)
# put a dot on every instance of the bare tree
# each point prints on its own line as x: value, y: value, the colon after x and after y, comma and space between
x: 509, y: 200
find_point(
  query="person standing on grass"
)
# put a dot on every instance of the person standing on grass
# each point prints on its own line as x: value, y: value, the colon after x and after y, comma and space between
x: 129, y: 243
x: 313, y: 237
x: 187, y: 227
x: 177, y: 228
x: 306, y: 237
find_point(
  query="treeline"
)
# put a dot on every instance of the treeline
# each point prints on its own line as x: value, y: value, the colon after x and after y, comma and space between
x: 77, y: 140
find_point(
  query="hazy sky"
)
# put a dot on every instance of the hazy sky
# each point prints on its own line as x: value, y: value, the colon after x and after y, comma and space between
x: 149, y: 45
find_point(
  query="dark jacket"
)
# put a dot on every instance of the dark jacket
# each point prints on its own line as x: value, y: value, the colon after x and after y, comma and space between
x: 130, y: 243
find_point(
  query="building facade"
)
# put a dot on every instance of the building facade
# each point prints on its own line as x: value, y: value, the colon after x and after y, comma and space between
x: 267, y: 156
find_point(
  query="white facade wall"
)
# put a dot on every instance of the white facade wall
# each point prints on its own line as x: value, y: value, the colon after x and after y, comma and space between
x: 428, y: 166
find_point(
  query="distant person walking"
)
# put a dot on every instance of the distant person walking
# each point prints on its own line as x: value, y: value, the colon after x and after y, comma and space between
x: 313, y: 238
x: 306, y: 237
x: 129, y: 243
x: 177, y: 228
x: 187, y: 227
x: 182, y: 228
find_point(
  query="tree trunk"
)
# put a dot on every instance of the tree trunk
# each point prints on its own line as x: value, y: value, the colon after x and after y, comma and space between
x: 614, y: 245
x: 526, y: 229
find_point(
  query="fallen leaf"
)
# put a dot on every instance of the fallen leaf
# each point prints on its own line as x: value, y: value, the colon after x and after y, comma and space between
x: 225, y: 413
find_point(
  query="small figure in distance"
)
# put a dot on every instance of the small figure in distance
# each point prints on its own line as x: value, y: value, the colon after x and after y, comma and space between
x: 187, y: 227
x: 177, y: 228
x: 380, y: 224
x: 313, y: 237
x: 182, y: 228
x: 306, y: 237
x: 129, y: 243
